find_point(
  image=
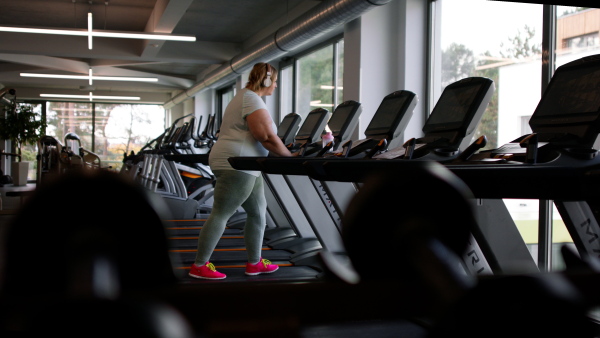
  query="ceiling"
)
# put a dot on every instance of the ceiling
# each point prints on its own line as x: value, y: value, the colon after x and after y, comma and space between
x: 223, y: 28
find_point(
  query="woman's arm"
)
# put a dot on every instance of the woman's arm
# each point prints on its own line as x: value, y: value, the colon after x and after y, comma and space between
x: 260, y: 125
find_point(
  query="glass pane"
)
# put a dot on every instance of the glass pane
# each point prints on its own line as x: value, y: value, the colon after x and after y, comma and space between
x: 315, y: 81
x: 340, y: 73
x: 560, y: 237
x: 123, y: 128
x: 226, y: 97
x: 506, y: 51
x: 70, y: 117
x: 286, y: 91
x: 29, y: 151
x: 119, y: 128
x: 477, y: 40
x: 576, y: 37
x: 525, y: 214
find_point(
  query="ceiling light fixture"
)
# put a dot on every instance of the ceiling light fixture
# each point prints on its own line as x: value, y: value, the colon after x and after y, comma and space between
x: 90, y: 33
x: 90, y: 30
x: 91, y: 77
x: 91, y: 97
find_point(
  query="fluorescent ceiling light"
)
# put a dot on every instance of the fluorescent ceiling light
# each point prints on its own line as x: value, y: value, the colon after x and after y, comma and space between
x: 91, y: 77
x: 103, y: 34
x: 330, y: 87
x: 90, y: 33
x: 91, y: 97
x: 90, y: 30
x: 318, y: 103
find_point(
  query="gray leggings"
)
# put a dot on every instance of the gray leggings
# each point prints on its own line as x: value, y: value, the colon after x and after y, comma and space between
x: 234, y: 189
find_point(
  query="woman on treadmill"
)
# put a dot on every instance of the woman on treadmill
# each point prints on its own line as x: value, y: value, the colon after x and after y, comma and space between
x: 247, y: 130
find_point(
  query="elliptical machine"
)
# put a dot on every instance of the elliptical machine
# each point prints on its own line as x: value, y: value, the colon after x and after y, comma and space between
x: 55, y: 158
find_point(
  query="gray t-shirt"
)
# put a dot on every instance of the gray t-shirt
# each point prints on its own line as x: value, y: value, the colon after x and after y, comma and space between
x: 235, y: 138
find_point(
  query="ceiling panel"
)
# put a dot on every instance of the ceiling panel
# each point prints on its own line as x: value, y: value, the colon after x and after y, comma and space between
x: 221, y: 28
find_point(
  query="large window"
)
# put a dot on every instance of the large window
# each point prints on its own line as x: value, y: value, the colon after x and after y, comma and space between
x: 476, y: 39
x: 313, y: 79
x: 224, y: 96
x: 108, y: 130
x: 29, y: 151
x: 286, y: 88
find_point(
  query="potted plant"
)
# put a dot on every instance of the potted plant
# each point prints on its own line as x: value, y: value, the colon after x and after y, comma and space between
x: 22, y: 126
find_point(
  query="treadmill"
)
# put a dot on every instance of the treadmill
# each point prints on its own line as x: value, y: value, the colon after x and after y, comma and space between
x: 556, y: 162
x: 387, y: 124
x: 447, y: 132
x: 287, y: 225
x: 290, y: 193
x: 286, y: 131
x: 325, y: 203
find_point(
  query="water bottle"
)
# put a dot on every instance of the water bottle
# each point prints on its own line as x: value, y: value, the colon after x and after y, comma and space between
x: 328, y: 137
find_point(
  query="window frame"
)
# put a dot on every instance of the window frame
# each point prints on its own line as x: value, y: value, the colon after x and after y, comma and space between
x: 292, y: 61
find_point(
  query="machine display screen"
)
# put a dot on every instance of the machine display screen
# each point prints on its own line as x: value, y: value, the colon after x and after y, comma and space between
x: 340, y: 117
x: 454, y: 105
x: 387, y: 113
x: 285, y: 125
x: 312, y: 121
x: 573, y: 91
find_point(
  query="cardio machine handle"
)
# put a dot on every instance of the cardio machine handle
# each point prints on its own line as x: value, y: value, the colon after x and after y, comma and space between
x: 531, y: 143
x: 472, y: 148
x: 381, y: 145
x: 409, y: 148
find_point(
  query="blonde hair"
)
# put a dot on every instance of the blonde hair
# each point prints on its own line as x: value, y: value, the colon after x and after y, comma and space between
x: 258, y: 74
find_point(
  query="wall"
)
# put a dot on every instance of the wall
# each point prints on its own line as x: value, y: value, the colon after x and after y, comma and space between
x: 383, y: 54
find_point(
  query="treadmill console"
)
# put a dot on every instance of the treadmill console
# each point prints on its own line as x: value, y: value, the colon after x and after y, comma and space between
x: 388, y: 122
x: 451, y: 124
x: 311, y: 128
x: 392, y: 116
x: 566, y: 120
x: 569, y: 110
x: 343, y: 121
x: 457, y: 113
x: 288, y: 128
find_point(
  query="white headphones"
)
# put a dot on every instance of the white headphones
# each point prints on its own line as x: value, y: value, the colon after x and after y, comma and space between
x: 267, y: 82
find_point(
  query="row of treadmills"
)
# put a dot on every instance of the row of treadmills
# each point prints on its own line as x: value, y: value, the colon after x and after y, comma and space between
x: 369, y: 212
x: 556, y: 162
x: 415, y: 240
x: 409, y: 241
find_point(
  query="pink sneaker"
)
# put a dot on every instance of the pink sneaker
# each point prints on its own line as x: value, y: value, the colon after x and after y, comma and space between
x: 263, y: 266
x: 206, y: 271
